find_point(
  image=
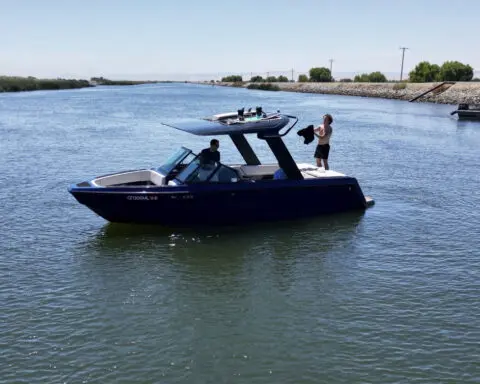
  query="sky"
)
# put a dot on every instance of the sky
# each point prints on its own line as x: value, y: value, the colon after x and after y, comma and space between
x: 190, y: 40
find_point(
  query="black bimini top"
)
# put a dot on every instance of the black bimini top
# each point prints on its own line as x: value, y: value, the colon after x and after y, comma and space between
x: 266, y: 126
x: 229, y: 124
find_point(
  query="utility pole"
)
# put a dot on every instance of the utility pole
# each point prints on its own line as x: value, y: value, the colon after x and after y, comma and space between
x: 331, y: 64
x: 403, y: 57
x: 292, y: 75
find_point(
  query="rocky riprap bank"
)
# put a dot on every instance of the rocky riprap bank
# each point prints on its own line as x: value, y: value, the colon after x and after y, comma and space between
x: 461, y: 92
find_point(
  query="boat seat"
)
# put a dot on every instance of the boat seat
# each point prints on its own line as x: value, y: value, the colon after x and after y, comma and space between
x: 157, y: 178
x: 131, y: 177
x: 258, y: 170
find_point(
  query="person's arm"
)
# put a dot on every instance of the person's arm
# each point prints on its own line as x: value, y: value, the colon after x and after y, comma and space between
x: 321, y: 133
x: 319, y: 130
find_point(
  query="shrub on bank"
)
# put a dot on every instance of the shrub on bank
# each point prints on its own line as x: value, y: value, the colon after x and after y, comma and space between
x: 321, y: 75
x: 257, y: 79
x: 345, y: 80
x: 232, y: 79
x: 264, y: 86
x: 374, y: 77
x: 272, y: 79
x: 363, y: 78
x: 399, y: 86
x: 424, y: 72
x: 303, y: 79
x: 377, y: 77
x: 455, y: 71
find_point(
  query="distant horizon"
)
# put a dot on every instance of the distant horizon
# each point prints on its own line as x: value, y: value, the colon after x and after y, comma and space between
x: 215, y: 75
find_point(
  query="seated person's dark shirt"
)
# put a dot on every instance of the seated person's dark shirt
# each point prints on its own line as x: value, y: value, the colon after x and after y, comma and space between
x: 209, y: 157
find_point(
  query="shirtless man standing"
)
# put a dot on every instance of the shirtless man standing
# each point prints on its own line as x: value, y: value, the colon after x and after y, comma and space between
x: 323, y: 132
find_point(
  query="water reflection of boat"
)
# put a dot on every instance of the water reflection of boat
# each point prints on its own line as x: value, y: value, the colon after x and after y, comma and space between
x: 322, y: 229
x: 186, y: 192
x: 217, y: 259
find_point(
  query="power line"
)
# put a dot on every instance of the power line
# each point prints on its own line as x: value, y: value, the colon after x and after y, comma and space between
x: 403, y: 57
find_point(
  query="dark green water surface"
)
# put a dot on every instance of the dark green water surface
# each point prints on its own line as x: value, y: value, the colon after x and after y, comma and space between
x: 391, y: 295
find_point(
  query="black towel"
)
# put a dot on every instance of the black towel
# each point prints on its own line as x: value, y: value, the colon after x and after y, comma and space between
x: 307, y: 134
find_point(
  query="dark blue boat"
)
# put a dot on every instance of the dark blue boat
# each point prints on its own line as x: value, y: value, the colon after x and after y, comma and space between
x: 185, y: 192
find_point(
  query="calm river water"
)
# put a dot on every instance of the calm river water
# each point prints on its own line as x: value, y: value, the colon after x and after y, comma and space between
x: 391, y: 295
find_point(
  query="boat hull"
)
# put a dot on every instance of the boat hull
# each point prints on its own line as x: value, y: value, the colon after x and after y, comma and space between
x: 223, y: 204
x: 468, y: 115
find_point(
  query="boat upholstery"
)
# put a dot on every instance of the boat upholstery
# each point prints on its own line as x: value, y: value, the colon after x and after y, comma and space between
x: 130, y: 177
x: 258, y: 170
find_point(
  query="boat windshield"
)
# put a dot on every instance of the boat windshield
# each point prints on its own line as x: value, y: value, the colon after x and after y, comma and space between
x: 174, y: 160
x: 196, y: 172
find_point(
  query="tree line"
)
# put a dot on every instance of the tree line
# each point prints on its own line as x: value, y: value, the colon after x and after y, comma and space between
x: 255, y: 79
x: 104, y: 81
x: 424, y: 72
x: 21, y: 84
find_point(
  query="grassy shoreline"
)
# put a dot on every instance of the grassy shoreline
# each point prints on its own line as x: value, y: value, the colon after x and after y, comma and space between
x: 22, y: 84
x: 25, y: 84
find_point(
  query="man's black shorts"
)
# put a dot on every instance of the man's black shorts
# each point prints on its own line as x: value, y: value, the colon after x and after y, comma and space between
x: 322, y: 151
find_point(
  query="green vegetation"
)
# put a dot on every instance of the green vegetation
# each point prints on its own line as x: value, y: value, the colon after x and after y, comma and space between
x: 303, y: 79
x: 399, y: 86
x: 264, y: 86
x: 271, y: 79
x: 346, y: 80
x: 377, y: 77
x: 103, y: 81
x: 232, y: 79
x: 374, y: 77
x: 363, y: 78
x: 257, y: 79
x: 425, y: 72
x: 19, y: 84
x: 322, y: 75
x: 456, y: 71
x: 476, y: 79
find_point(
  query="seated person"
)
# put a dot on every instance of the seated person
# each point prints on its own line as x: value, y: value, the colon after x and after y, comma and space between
x: 210, y: 156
